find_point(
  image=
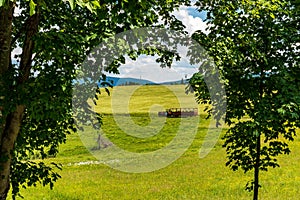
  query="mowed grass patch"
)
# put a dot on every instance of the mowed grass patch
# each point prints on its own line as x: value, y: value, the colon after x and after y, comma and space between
x: 140, y: 99
x: 189, y: 177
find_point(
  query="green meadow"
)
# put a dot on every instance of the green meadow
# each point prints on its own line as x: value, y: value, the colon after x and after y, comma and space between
x: 130, y: 122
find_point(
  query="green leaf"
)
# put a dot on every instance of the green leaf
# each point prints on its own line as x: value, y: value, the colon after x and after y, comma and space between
x: 256, y: 133
x: 2, y: 2
x: 32, y: 6
x: 89, y: 6
x: 96, y: 4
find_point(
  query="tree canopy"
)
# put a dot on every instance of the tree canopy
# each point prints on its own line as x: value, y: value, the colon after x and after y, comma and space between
x: 53, y: 37
x: 255, y: 45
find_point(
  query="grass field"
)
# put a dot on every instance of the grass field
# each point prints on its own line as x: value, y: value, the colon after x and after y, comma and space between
x: 189, y: 177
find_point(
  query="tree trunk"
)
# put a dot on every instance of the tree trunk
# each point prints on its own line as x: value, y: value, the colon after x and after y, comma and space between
x: 258, y: 142
x: 13, y: 120
x: 9, y: 137
x: 6, y: 17
x: 256, y: 169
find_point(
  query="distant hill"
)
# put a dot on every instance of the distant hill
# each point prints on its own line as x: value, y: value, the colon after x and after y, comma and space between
x: 115, y: 81
x: 183, y: 81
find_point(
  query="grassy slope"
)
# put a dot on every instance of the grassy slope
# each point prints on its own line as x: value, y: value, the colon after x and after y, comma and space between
x: 187, y: 178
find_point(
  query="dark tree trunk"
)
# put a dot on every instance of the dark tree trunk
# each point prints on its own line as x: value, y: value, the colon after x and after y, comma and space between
x: 9, y: 137
x: 6, y: 17
x: 256, y: 169
x: 258, y: 139
x: 13, y: 120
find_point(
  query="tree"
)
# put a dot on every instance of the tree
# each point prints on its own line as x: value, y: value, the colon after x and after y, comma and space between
x: 36, y: 84
x: 255, y: 45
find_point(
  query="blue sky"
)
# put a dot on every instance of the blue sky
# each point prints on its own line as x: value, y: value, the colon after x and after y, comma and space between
x: 145, y: 67
x: 193, y: 12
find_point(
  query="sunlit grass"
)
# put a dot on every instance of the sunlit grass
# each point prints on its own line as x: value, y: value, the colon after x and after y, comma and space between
x: 189, y: 177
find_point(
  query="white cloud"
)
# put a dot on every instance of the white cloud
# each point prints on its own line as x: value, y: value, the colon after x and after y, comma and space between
x: 16, y: 51
x: 192, y: 23
x: 145, y: 67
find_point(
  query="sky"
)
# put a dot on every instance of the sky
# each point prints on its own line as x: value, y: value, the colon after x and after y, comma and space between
x: 145, y: 67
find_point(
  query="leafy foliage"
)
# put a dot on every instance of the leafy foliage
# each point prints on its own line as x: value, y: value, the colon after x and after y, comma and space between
x: 67, y: 32
x: 255, y: 45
